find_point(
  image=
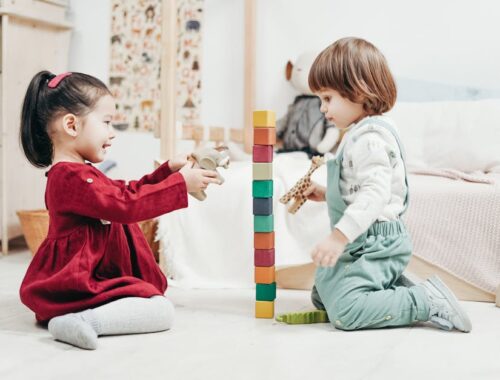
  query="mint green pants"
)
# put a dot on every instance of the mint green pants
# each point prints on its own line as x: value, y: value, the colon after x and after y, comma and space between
x: 362, y: 289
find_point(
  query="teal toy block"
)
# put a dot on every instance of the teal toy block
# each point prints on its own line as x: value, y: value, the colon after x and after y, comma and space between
x: 263, y: 223
x: 262, y: 189
x: 265, y: 292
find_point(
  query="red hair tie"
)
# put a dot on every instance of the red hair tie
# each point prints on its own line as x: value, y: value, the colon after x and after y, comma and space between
x: 54, y: 82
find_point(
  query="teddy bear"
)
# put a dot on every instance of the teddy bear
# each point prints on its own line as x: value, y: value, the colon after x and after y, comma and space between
x: 210, y: 158
x: 304, y: 127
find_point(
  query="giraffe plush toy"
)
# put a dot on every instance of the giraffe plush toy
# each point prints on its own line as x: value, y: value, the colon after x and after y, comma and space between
x: 296, y: 192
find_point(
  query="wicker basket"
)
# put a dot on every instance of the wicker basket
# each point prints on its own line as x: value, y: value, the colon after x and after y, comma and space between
x: 35, y: 226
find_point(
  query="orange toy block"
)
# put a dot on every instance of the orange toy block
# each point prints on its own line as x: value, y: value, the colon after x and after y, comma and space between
x: 263, y: 240
x: 264, y: 309
x: 264, y: 275
x: 264, y: 136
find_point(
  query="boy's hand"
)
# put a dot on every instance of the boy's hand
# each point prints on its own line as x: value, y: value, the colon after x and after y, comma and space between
x: 178, y: 162
x: 327, y: 252
x: 315, y: 192
x: 197, y: 179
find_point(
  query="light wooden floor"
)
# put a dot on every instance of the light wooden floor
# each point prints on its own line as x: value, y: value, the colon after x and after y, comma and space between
x: 216, y: 337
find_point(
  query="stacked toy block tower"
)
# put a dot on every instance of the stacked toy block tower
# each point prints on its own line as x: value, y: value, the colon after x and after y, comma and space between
x: 264, y: 138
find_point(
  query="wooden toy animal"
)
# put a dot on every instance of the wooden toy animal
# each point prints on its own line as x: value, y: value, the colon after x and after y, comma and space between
x: 296, y: 193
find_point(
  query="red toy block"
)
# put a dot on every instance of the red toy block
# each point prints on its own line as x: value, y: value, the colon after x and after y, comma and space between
x: 264, y: 257
x: 262, y: 153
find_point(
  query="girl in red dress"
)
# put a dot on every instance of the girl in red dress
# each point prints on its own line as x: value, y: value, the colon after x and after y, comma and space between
x: 94, y: 274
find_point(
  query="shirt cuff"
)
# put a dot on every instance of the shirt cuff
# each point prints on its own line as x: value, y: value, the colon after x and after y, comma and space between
x: 349, y: 227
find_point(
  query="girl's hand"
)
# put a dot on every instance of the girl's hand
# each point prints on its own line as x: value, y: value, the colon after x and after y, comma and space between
x: 178, y: 162
x: 327, y: 252
x: 197, y: 179
x: 315, y: 192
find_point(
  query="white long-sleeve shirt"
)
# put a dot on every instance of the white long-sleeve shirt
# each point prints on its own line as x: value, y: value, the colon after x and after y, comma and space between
x: 372, y: 177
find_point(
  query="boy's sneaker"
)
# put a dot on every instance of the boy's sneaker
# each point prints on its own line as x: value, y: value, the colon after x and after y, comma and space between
x: 445, y: 311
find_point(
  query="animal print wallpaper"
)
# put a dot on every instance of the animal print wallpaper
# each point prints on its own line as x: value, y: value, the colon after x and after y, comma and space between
x: 135, y: 62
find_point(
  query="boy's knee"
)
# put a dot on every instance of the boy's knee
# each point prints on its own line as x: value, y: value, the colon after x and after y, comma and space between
x: 345, y: 316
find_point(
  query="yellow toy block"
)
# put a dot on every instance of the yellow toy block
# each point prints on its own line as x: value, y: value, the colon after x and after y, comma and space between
x: 264, y: 119
x: 262, y: 171
x: 264, y: 309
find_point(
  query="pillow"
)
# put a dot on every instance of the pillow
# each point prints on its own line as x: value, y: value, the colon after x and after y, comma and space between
x: 461, y: 135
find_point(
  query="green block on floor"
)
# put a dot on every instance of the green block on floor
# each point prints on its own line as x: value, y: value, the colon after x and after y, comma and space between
x: 262, y: 189
x: 263, y: 223
x: 265, y: 292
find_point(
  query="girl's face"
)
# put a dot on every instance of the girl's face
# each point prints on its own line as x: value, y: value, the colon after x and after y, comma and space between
x: 96, y: 131
x: 338, y: 110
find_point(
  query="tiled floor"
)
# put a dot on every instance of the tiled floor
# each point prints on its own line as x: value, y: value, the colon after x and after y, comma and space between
x: 216, y: 337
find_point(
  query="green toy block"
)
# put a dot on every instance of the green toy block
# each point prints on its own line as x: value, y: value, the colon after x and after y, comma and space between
x: 262, y: 189
x: 265, y: 292
x: 304, y: 317
x: 263, y: 223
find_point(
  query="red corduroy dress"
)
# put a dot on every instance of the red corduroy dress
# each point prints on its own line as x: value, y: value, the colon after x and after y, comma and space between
x: 84, y: 263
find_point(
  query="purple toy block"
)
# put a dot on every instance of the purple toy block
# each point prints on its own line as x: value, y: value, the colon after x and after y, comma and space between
x: 264, y: 257
x: 262, y: 153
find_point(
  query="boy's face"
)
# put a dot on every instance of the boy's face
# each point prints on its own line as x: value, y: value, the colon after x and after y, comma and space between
x: 338, y: 110
x: 97, y: 131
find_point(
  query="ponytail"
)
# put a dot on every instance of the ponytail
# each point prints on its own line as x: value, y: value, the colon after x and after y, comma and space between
x: 35, y: 140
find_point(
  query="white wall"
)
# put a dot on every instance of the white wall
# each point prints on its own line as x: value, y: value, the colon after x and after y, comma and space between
x: 447, y: 41
x: 222, y: 63
x: 90, y: 40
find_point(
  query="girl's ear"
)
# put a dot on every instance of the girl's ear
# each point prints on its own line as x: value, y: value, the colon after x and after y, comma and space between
x: 70, y: 124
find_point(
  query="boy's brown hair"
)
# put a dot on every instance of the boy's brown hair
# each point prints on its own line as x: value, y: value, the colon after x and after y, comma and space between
x: 358, y: 71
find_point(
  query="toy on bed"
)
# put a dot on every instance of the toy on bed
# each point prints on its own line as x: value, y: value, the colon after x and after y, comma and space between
x: 304, y: 127
x: 210, y: 159
x: 296, y: 193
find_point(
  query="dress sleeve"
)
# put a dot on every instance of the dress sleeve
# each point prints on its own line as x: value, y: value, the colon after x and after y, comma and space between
x: 162, y: 172
x: 87, y: 192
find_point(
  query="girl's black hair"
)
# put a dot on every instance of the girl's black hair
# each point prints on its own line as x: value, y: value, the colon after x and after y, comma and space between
x: 77, y: 94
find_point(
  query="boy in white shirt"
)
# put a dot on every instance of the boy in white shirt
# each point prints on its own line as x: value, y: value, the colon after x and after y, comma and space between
x: 360, y: 263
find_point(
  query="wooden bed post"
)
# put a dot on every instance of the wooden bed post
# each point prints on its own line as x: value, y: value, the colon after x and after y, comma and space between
x: 249, y: 73
x: 167, y: 84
